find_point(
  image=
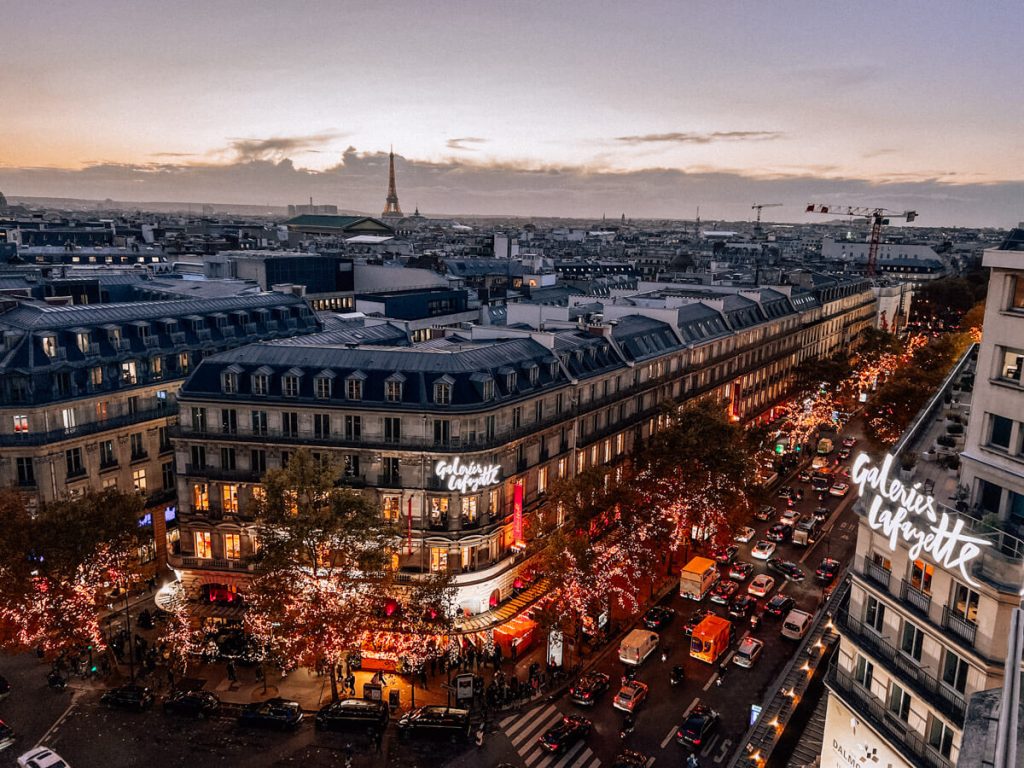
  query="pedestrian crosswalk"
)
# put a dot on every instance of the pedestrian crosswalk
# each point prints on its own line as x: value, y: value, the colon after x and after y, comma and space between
x: 524, y: 729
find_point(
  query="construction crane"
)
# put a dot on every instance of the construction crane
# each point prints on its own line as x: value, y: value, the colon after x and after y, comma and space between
x: 759, y: 206
x: 878, y: 218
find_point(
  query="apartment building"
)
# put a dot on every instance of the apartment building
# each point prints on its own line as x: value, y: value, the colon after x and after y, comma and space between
x: 458, y: 439
x: 88, y: 393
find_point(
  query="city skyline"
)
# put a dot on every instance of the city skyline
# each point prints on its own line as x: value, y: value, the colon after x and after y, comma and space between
x: 580, y: 109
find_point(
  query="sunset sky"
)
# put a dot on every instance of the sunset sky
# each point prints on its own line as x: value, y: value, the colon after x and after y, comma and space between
x: 650, y: 108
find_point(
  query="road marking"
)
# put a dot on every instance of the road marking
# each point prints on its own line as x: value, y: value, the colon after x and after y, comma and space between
x: 546, y: 761
x: 508, y: 720
x: 532, y: 730
x: 724, y: 751
x: 58, y: 722
x: 587, y: 754
x: 745, y: 636
x: 649, y: 763
x: 671, y: 734
x: 569, y: 755
x: 531, y: 758
x: 728, y: 657
x: 709, y: 746
x: 711, y: 681
x: 528, y: 718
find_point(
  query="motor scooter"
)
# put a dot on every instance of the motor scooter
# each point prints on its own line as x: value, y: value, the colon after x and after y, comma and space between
x: 56, y: 681
x: 677, y: 675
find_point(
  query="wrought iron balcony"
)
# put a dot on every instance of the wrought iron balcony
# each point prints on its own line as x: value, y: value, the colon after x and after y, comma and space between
x: 875, y: 572
x: 915, y: 598
x: 959, y: 625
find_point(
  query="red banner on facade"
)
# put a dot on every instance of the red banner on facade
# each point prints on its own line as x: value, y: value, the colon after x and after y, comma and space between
x: 409, y: 536
x: 517, y: 513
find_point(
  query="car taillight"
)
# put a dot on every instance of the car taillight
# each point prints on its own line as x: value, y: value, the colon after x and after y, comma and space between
x: 696, y: 742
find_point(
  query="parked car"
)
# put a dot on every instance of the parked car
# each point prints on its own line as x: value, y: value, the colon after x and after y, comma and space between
x: 740, y: 571
x: 435, y: 722
x: 761, y: 585
x: 839, y: 489
x: 135, y: 697
x: 631, y: 696
x: 765, y: 512
x: 849, y: 442
x: 353, y: 715
x: 828, y: 569
x: 272, y: 713
x: 748, y: 652
x: 695, y: 619
x: 725, y: 555
x: 790, y: 570
x: 697, y: 726
x: 658, y: 616
x: 780, y: 532
x: 589, y: 688
x: 42, y: 757
x: 744, y: 534
x: 741, y: 606
x: 6, y: 735
x: 789, y: 517
x: 198, y: 704
x: 724, y: 591
x: 779, y: 605
x: 763, y: 550
x: 560, y: 737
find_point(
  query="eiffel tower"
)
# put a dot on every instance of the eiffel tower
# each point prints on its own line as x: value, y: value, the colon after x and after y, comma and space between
x: 391, y: 208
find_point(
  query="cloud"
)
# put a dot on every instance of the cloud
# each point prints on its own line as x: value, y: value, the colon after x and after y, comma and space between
x: 699, y: 138
x: 462, y: 142
x: 278, y: 147
x: 358, y: 182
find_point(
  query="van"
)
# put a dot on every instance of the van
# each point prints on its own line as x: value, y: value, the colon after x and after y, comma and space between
x: 436, y: 722
x: 357, y: 715
x: 807, y: 531
x: 697, y: 578
x: 825, y: 446
x: 710, y: 638
x: 820, y: 481
x: 796, y: 624
x: 637, y: 646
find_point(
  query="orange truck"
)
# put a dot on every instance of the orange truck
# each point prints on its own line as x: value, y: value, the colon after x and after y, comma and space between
x: 710, y: 639
x: 697, y: 578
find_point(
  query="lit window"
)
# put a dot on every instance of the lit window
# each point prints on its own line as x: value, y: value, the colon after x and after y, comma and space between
x: 229, y: 498
x: 391, y: 509
x: 921, y: 576
x: 232, y: 546
x: 200, y: 497
x: 139, y: 480
x: 542, y: 480
x: 203, y: 545
x: 21, y: 423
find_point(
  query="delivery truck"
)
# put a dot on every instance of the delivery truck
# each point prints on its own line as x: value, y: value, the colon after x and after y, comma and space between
x: 710, y: 639
x: 697, y: 578
x: 637, y: 646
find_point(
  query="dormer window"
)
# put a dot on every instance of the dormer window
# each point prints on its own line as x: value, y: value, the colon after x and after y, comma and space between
x: 323, y: 385
x: 534, y: 374
x: 393, y: 388
x: 488, y: 389
x: 260, y: 384
x: 50, y: 346
x: 443, y: 391
x: 553, y: 370
x: 354, y: 386
x: 290, y: 385
x: 510, y: 382
x: 82, y: 340
x: 114, y: 335
x: 229, y: 383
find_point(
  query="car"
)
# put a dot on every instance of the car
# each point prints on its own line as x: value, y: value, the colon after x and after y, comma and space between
x: 820, y: 481
x: 785, y: 492
x: 780, y: 532
x: 6, y: 735
x: 839, y: 489
x: 42, y: 757
x: 763, y: 550
x: 741, y: 606
x: 631, y: 696
x: 353, y: 715
x: 761, y: 585
x: 724, y: 591
x: 844, y: 454
x: 658, y: 616
x: 589, y: 688
x: 827, y: 570
x: 804, y: 476
x: 695, y: 619
x: 740, y: 571
x: 789, y: 517
x: 198, y: 704
x: 779, y: 605
x: 630, y: 759
x: 765, y: 512
x: 272, y: 713
x: 701, y: 721
x: 819, y: 461
x: 436, y: 721
x: 135, y: 697
x: 844, y: 472
x: 789, y: 569
x: 744, y: 534
x: 822, y: 513
x: 561, y: 736
x: 849, y: 442
x: 748, y: 652
x: 725, y: 555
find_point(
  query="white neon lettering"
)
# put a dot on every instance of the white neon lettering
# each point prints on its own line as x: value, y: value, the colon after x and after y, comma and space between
x: 466, y: 477
x: 943, y: 540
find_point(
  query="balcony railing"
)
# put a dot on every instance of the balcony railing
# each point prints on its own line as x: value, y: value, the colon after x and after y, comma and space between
x: 875, y: 572
x: 949, y: 701
x: 915, y: 598
x: 898, y: 733
x: 217, y: 473
x: 215, y: 563
x: 959, y: 625
x: 90, y: 428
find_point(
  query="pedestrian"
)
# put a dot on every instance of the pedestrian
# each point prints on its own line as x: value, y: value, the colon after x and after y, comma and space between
x: 423, y: 678
x: 664, y: 656
x: 480, y: 737
x: 231, y: 672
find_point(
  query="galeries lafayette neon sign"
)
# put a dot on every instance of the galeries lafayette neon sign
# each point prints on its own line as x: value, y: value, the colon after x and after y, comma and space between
x: 902, y: 512
x: 469, y: 477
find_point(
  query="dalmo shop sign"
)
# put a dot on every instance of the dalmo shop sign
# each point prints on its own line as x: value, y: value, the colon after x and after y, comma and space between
x: 904, y: 514
x: 466, y: 478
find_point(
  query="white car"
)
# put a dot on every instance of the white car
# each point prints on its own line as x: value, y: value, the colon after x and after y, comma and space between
x: 743, y: 535
x: 747, y: 653
x: 789, y: 517
x: 763, y: 550
x: 839, y: 489
x: 761, y: 585
x: 41, y: 757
